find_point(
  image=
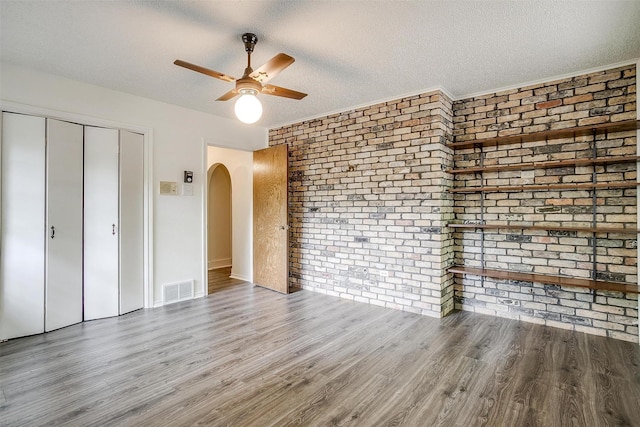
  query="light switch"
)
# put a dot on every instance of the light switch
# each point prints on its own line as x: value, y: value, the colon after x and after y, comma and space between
x: 187, y: 189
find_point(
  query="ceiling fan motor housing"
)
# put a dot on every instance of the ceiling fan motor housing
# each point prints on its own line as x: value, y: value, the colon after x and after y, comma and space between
x: 248, y: 85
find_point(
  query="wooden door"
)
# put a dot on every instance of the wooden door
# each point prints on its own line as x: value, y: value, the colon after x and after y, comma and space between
x: 63, y: 281
x: 270, y: 219
x: 100, y: 223
x: 23, y: 236
x: 131, y: 220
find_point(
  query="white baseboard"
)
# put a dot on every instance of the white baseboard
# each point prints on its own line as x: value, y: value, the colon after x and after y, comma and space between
x: 240, y: 277
x: 219, y: 263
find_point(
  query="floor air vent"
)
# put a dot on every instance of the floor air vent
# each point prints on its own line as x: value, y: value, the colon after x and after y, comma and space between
x: 174, y: 292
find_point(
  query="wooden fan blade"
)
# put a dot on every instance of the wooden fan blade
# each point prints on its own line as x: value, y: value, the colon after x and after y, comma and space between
x: 272, y: 67
x: 281, y: 91
x: 227, y: 96
x: 203, y: 70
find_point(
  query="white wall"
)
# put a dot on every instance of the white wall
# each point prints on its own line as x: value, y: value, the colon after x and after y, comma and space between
x: 177, y: 144
x: 240, y: 167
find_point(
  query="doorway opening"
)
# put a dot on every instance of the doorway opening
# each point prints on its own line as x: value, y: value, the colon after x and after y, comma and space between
x: 219, y: 221
x: 234, y: 170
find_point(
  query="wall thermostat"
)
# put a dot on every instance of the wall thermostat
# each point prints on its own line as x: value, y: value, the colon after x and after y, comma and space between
x: 188, y: 177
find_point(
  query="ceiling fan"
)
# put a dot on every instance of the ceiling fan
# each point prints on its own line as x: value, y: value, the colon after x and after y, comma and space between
x: 248, y: 108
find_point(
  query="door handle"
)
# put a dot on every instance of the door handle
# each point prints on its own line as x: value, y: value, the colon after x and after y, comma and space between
x: 53, y: 232
x: 113, y: 229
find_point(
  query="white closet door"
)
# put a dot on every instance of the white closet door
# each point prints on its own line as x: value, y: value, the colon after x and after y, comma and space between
x: 23, y: 236
x: 63, y: 281
x: 131, y: 215
x: 100, y: 223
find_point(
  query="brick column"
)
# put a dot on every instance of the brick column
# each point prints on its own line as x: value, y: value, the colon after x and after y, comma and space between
x: 368, y: 203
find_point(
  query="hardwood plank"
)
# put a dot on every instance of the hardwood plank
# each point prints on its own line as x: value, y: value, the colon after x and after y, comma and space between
x: 348, y: 368
x: 431, y: 393
x: 252, y: 357
x: 219, y: 278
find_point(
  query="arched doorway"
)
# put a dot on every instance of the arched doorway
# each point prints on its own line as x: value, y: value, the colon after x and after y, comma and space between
x: 219, y: 221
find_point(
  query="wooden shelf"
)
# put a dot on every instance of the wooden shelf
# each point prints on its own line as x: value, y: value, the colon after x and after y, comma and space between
x: 547, y: 165
x: 537, y: 187
x: 602, y: 285
x: 546, y: 228
x: 568, y: 133
x: 573, y: 132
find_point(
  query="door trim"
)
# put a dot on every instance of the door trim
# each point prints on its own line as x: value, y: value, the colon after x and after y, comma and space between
x: 205, y: 224
x: 147, y: 132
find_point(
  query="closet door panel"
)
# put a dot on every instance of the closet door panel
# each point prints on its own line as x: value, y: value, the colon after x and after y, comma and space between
x: 63, y: 281
x: 131, y: 221
x: 100, y: 223
x: 22, y: 241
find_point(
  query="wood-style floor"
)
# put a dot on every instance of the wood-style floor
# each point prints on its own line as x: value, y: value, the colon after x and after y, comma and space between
x: 219, y: 279
x: 246, y: 356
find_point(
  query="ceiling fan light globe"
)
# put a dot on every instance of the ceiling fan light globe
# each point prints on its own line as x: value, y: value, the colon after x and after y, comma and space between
x: 248, y: 108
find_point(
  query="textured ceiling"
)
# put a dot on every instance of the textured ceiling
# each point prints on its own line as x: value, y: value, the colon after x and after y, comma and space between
x: 348, y: 53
